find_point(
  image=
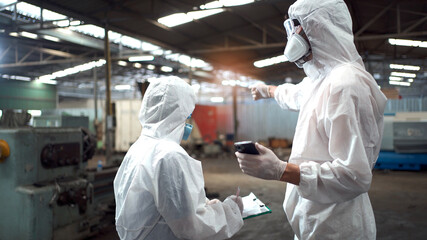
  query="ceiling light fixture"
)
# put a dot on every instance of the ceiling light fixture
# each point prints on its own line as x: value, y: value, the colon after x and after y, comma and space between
x: 50, y: 38
x: 75, y: 23
x: 225, y: 3
x: 181, y: 18
x: 175, y: 19
x: 123, y: 87
x: 79, y: 68
x: 166, y: 69
x: 137, y: 65
x: 21, y: 78
x: 270, y: 61
x: 122, y: 63
x: 405, y: 67
x: 407, y: 43
x: 403, y: 74
x: 47, y: 81
x: 62, y: 23
x: 151, y: 67
x: 16, y: 77
x: 400, y: 83
x: 392, y: 78
x: 141, y: 58
x: 29, y: 35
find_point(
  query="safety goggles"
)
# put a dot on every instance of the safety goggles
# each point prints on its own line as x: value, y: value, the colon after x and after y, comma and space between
x: 290, y: 26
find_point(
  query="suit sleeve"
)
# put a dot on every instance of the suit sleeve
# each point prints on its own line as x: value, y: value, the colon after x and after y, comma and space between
x: 181, y: 200
x: 350, y: 172
x: 290, y: 96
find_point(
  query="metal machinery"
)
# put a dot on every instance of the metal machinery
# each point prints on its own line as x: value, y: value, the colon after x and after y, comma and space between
x: 404, y: 145
x: 46, y: 191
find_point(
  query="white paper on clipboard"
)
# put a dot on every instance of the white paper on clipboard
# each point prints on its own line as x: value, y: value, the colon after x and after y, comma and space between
x: 253, y: 207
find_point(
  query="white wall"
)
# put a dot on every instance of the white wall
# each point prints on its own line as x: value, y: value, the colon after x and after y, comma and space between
x: 128, y: 127
x: 263, y: 119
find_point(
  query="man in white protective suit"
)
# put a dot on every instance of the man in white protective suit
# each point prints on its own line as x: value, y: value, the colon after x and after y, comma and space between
x: 159, y: 188
x: 339, y: 130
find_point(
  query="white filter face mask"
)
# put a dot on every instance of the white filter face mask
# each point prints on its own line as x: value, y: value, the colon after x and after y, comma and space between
x: 297, y: 47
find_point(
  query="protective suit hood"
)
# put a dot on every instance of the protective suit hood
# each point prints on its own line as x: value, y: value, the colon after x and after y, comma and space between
x: 328, y: 26
x: 166, y: 105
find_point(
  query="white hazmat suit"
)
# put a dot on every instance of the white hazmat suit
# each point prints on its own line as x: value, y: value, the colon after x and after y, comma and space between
x: 339, y: 129
x: 159, y: 188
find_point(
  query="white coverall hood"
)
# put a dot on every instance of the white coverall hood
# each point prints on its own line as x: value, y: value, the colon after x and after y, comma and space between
x: 328, y: 27
x: 159, y: 188
x: 338, y: 135
x: 168, y: 103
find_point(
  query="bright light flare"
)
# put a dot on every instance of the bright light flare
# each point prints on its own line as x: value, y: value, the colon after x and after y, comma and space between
x: 403, y: 74
x: 407, y: 43
x: 405, y: 67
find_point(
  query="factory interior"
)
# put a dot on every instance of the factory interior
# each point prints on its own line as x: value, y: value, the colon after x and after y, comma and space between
x: 73, y: 75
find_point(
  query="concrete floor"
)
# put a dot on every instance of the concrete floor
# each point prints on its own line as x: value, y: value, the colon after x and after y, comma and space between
x: 399, y: 199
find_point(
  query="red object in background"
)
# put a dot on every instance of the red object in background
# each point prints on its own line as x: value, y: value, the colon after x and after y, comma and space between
x: 206, y: 119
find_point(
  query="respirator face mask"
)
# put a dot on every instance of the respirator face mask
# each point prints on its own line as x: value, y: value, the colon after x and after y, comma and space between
x: 297, y: 48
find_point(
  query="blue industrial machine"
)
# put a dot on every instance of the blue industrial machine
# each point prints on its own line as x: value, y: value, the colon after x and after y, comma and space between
x: 404, y: 145
x: 47, y: 192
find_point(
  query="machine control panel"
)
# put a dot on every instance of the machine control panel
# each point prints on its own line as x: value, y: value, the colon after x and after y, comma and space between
x: 60, y: 155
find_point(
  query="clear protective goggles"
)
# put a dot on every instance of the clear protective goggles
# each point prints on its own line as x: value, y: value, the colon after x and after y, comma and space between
x: 291, y: 26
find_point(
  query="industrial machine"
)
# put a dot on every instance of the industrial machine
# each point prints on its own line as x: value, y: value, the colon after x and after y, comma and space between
x: 46, y: 190
x: 404, y: 144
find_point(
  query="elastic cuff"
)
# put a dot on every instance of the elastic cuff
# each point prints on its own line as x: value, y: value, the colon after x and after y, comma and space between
x: 283, y: 176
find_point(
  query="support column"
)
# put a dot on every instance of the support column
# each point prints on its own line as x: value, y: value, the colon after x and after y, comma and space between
x: 108, y: 106
x: 235, y: 120
x: 95, y: 93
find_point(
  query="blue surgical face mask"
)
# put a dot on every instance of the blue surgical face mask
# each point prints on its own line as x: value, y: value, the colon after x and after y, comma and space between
x: 187, y: 130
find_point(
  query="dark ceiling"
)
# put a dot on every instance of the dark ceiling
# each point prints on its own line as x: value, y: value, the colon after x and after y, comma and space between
x: 234, y: 39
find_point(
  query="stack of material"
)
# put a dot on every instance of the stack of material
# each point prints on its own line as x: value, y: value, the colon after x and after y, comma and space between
x: 391, y: 93
x: 279, y: 143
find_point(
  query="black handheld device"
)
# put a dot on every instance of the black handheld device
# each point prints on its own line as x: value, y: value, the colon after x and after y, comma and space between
x: 247, y: 147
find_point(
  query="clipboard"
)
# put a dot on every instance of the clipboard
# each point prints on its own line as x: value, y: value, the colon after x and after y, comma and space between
x: 253, y: 207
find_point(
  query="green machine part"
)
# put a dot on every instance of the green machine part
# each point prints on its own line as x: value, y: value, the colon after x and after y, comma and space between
x: 27, y: 95
x: 44, y: 195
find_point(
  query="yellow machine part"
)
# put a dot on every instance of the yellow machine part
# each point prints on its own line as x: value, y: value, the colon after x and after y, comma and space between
x: 4, y: 150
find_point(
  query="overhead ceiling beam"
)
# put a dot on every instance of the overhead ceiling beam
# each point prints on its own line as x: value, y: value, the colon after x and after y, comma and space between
x: 256, y: 25
x: 8, y: 5
x: 276, y: 45
x: 413, y: 26
x: 53, y: 6
x: 4, y: 52
x: 279, y: 29
x: 240, y: 48
x: 38, y: 63
x: 391, y: 35
x: 249, y: 40
x: 26, y: 56
x: 368, y: 24
x: 231, y: 32
x: 53, y: 52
